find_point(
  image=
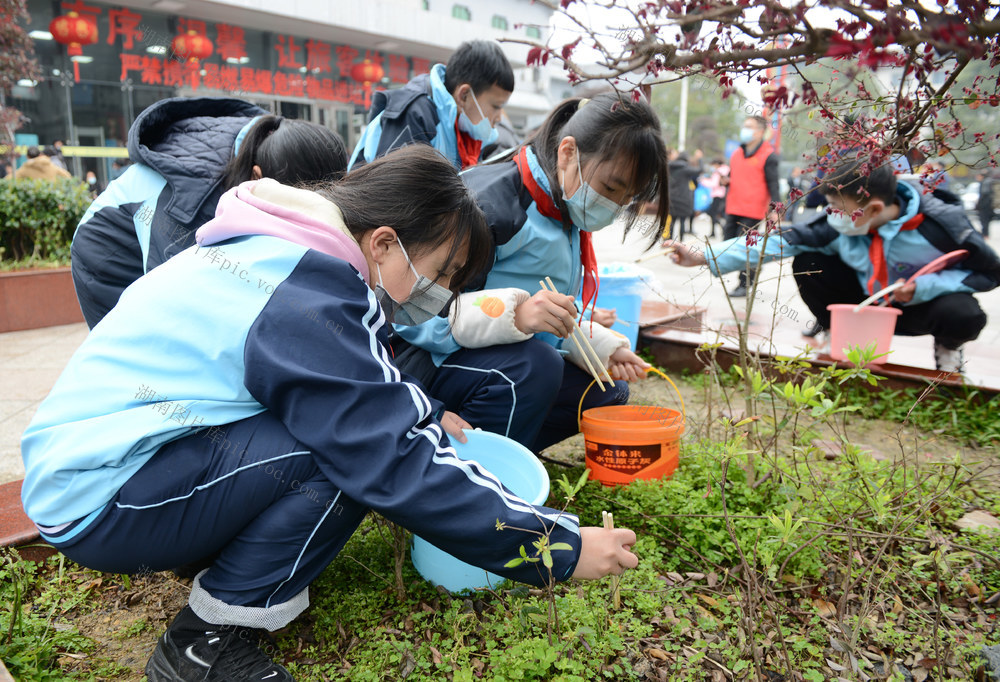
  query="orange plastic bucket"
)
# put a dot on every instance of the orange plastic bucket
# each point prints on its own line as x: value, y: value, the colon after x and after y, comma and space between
x: 629, y: 442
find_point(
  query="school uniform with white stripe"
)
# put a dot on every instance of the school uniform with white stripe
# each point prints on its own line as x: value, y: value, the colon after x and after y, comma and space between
x: 241, y: 400
x: 528, y: 387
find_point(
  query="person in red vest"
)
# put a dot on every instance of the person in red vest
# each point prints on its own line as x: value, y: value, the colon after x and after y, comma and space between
x: 753, y: 186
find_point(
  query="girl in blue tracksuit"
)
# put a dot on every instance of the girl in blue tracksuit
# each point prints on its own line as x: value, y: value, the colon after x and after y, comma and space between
x: 498, y: 359
x: 187, y: 151
x: 241, y: 402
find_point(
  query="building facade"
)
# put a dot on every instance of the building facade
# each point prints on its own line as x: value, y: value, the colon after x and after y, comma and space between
x: 317, y: 60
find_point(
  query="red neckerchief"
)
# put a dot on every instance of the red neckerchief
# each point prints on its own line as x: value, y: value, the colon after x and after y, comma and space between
x: 547, y: 207
x: 468, y: 149
x: 880, y: 270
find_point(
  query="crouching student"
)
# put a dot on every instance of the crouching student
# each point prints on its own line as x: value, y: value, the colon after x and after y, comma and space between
x: 187, y: 152
x: 879, y: 230
x: 241, y: 400
x: 502, y: 360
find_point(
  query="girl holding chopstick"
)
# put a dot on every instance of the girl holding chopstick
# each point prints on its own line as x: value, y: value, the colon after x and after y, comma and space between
x: 503, y: 359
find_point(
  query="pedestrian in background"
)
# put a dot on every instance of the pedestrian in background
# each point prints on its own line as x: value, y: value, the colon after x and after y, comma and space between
x: 989, y: 200
x: 683, y: 173
x: 753, y: 185
x: 40, y: 167
x: 718, y: 184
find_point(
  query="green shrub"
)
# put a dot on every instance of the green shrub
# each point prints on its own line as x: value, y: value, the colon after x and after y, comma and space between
x: 38, y: 218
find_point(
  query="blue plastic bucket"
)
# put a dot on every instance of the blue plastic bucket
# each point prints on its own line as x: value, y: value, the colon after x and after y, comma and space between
x: 622, y: 288
x: 519, y: 470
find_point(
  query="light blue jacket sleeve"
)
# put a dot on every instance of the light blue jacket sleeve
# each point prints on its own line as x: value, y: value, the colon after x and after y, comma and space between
x: 433, y: 335
x: 733, y: 254
x: 937, y: 284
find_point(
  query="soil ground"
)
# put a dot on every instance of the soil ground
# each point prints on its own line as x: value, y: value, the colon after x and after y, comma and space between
x: 125, y: 623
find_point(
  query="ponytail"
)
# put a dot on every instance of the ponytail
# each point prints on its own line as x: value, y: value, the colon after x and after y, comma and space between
x: 291, y: 151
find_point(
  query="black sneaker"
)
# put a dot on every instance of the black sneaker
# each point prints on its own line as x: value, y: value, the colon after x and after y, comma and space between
x: 192, y: 650
x: 812, y: 330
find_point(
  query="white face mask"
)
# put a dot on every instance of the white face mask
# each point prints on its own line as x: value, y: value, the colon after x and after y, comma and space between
x: 843, y: 224
x: 425, y: 301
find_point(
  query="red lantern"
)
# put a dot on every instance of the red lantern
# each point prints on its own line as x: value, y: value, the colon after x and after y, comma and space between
x: 74, y: 31
x: 192, y: 46
x: 367, y: 72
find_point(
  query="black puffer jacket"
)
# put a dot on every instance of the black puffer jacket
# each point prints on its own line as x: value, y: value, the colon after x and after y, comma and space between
x: 180, y: 148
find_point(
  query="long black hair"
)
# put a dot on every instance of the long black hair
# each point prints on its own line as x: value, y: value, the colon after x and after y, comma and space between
x: 291, y: 151
x: 417, y: 192
x: 607, y: 128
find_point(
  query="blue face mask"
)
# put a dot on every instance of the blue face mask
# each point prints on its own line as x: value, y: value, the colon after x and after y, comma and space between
x: 746, y: 135
x: 588, y: 209
x: 482, y: 131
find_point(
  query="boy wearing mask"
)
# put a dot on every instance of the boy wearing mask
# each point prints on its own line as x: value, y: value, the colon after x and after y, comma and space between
x: 455, y: 108
x: 877, y: 231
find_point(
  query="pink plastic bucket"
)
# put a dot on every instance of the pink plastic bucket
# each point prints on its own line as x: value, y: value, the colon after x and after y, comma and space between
x: 871, y: 323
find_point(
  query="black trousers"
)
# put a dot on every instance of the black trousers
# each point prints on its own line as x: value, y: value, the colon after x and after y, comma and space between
x: 952, y: 319
x: 735, y: 226
x: 985, y: 217
x: 717, y: 212
x: 678, y: 225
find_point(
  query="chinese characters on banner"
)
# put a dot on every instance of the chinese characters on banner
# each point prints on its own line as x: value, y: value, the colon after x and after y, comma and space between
x: 315, y: 69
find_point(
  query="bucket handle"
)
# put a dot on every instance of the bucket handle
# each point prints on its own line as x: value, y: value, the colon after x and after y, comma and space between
x: 579, y: 408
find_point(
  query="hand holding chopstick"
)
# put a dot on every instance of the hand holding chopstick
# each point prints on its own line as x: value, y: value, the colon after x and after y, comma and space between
x: 587, y: 351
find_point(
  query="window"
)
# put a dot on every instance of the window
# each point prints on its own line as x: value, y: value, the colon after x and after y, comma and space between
x: 534, y: 32
x: 461, y: 12
x: 499, y: 22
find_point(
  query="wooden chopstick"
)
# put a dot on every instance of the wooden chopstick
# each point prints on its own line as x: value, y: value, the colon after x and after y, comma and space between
x: 583, y: 354
x: 586, y: 343
x: 651, y: 256
x: 616, y: 593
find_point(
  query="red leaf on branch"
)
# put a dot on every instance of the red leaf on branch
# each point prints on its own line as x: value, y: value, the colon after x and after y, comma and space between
x: 840, y: 47
x: 538, y: 55
x: 567, y: 49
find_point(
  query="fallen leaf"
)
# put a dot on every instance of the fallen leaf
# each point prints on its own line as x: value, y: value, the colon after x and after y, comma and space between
x: 897, y: 605
x: 978, y: 520
x: 658, y: 654
x: 708, y: 600
x: 436, y: 656
x: 712, y: 579
x: 824, y: 609
x: 919, y: 674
